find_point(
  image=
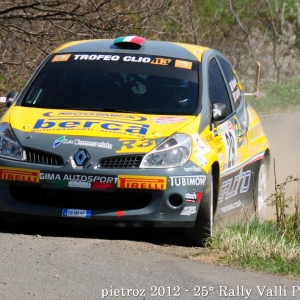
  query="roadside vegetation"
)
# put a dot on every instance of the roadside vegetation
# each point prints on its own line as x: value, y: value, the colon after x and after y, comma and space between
x: 279, y: 97
x: 247, y: 31
x: 271, y: 246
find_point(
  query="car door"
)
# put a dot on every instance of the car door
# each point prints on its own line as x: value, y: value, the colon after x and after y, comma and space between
x: 230, y: 134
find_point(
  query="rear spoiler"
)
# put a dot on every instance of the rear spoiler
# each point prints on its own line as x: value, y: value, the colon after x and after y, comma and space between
x: 257, y: 93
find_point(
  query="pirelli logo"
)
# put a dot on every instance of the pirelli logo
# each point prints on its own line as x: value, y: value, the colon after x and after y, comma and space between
x: 17, y: 174
x: 142, y: 182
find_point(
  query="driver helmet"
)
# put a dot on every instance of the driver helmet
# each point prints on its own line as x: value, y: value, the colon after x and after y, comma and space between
x: 176, y: 90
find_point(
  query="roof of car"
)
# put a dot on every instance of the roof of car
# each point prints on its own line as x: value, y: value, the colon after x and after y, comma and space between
x: 148, y: 47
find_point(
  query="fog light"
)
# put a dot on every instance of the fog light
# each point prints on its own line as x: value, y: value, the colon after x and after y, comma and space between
x: 175, y: 200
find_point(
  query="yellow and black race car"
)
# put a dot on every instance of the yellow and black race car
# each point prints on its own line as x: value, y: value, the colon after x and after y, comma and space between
x: 132, y: 132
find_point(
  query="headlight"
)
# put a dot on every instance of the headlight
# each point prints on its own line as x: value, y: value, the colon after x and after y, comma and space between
x: 173, y: 152
x: 9, y: 146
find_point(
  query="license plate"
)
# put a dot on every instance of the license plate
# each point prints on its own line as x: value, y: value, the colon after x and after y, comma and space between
x: 77, y: 213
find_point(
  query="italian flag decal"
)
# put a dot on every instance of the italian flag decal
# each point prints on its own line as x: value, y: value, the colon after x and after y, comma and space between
x: 138, y: 40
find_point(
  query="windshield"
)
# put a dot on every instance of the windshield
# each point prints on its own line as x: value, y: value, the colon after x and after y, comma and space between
x: 106, y: 82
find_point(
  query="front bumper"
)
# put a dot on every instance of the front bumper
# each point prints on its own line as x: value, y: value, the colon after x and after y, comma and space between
x: 115, y: 197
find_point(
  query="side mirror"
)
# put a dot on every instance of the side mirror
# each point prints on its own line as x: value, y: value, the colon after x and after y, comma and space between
x: 219, y: 111
x: 10, y: 98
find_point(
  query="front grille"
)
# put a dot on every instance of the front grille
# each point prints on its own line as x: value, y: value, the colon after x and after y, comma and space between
x: 41, y: 157
x: 119, y: 200
x: 120, y: 162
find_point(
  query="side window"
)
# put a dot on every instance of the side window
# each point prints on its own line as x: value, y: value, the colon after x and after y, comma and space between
x: 217, y: 88
x: 232, y: 81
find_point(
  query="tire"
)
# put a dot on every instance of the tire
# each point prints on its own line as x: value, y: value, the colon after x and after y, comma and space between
x: 202, y: 229
x: 261, y: 189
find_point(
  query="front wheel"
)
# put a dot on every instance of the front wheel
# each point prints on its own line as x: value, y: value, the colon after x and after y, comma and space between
x: 202, y: 229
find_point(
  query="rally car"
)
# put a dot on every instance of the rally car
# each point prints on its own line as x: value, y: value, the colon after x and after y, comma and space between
x: 132, y: 132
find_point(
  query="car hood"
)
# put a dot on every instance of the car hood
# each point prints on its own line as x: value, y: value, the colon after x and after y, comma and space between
x: 95, y: 123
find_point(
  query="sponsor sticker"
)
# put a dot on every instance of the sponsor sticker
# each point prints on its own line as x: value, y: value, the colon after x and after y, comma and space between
x: 200, y: 157
x: 256, y: 132
x: 61, y: 57
x: 57, y: 183
x: 231, y: 206
x: 236, y: 94
x: 78, y: 142
x: 127, y: 58
x: 44, y: 125
x: 142, y: 182
x: 102, y: 186
x: 168, y: 120
x: 193, y: 197
x: 161, y: 61
x: 235, y: 89
x: 139, y: 59
x: 78, y: 178
x: 89, y: 115
x: 200, y: 144
x: 235, y: 185
x: 188, y: 210
x: 106, y: 57
x: 192, y: 169
x: 183, y: 64
x: 16, y: 174
x: 76, y: 213
x: 187, y: 180
x: 79, y: 184
x: 141, y: 145
x: 233, y: 84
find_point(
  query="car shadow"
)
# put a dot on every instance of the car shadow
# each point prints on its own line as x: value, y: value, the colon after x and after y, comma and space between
x: 157, y: 236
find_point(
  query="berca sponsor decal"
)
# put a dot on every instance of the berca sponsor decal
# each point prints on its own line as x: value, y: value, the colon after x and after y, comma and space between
x: 42, y: 125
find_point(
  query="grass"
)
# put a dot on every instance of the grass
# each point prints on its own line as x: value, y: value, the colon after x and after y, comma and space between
x: 256, y: 245
x: 279, y: 97
x: 271, y: 246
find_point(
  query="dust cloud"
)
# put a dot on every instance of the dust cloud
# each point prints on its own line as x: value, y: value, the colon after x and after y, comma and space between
x: 283, y: 131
